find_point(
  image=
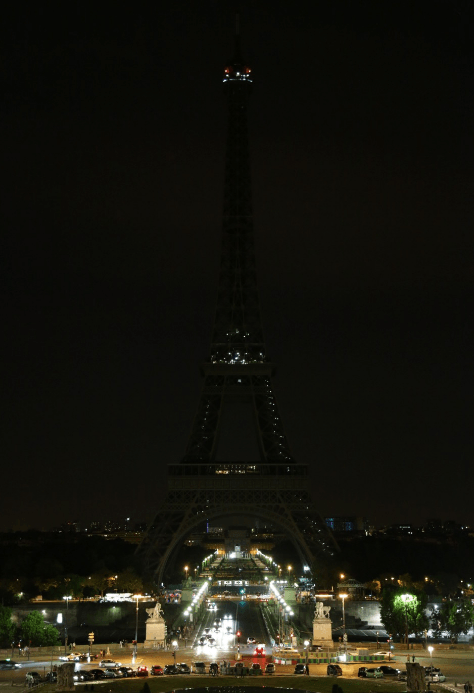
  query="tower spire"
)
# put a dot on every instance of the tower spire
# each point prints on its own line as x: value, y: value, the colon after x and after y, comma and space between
x: 237, y: 368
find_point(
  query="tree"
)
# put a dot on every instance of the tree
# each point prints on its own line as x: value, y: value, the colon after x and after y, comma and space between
x: 454, y: 616
x: 7, y: 627
x: 34, y: 630
x: 129, y: 581
x: 399, y: 615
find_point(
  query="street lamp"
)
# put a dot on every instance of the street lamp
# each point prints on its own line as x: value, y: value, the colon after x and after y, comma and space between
x: 134, y: 656
x: 289, y: 571
x: 186, y: 568
x: 406, y: 598
x: 65, y: 623
x: 430, y: 650
x: 343, y: 597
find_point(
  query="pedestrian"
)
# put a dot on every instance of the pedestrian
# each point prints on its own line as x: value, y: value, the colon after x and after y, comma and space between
x: 413, y: 659
x: 469, y: 685
x: 306, y: 670
x: 408, y: 658
x: 466, y: 687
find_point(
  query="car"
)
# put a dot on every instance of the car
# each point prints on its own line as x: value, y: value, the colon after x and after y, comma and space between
x: 52, y: 677
x: 256, y: 667
x: 9, y: 664
x: 97, y: 673
x: 361, y: 672
x: 389, y: 671
x: 431, y: 670
x: 384, y: 653
x: 374, y: 673
x: 110, y: 673
x: 202, y: 640
x: 402, y: 676
x: 251, y: 641
x: 71, y: 657
x: 334, y: 670
x: 211, y: 642
x: 315, y: 648
x: 300, y: 669
x: 33, y: 677
x: 170, y: 669
x: 437, y: 678
x: 156, y: 670
x: 142, y: 671
x: 200, y: 667
x: 127, y: 672
x: 110, y: 664
x: 183, y: 668
x: 270, y: 668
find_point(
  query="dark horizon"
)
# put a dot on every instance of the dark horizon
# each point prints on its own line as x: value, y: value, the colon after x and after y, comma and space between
x: 362, y: 167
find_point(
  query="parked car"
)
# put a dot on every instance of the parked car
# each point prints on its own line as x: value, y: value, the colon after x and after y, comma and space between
x: 256, y: 667
x: 170, y: 669
x: 384, y: 653
x: 33, y: 677
x: 183, y: 668
x: 110, y: 664
x: 52, y: 676
x: 438, y: 678
x: 361, y: 672
x: 375, y: 673
x: 9, y: 664
x: 156, y: 670
x: 200, y: 667
x: 110, y: 673
x: 389, y: 671
x: 334, y: 670
x: 315, y: 648
x: 97, y: 673
x: 142, y: 671
x: 270, y: 668
x: 301, y: 669
x: 127, y: 672
x: 251, y: 641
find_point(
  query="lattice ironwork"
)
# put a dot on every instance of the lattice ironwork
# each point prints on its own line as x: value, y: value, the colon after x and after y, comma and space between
x: 273, y: 487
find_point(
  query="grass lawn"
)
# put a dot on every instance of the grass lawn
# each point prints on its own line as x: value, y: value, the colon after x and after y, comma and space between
x: 319, y: 684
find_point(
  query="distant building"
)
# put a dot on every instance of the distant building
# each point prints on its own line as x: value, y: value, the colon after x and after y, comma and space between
x: 347, y: 524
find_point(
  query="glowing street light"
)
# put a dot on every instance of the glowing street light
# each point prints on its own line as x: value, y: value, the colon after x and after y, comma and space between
x: 343, y: 597
x: 289, y: 570
x: 65, y: 623
x: 186, y: 568
x: 134, y: 656
x: 430, y: 650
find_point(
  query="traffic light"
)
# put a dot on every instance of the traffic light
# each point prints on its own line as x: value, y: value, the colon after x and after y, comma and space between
x: 238, y: 634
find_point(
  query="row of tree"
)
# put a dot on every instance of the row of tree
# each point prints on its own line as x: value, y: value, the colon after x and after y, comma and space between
x: 404, y: 613
x: 31, y: 632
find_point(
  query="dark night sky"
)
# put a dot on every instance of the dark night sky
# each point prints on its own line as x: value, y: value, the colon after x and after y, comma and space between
x: 114, y: 128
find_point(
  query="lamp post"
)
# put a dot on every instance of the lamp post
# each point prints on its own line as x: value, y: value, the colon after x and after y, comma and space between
x: 186, y: 568
x: 344, y: 637
x: 406, y: 598
x: 65, y: 623
x: 134, y: 656
x: 430, y: 650
x: 289, y: 573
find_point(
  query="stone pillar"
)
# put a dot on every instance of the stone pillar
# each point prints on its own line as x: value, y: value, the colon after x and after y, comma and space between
x: 65, y: 677
x: 416, y: 681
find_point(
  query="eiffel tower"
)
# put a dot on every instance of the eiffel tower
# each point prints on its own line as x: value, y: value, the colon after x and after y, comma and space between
x: 237, y: 373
